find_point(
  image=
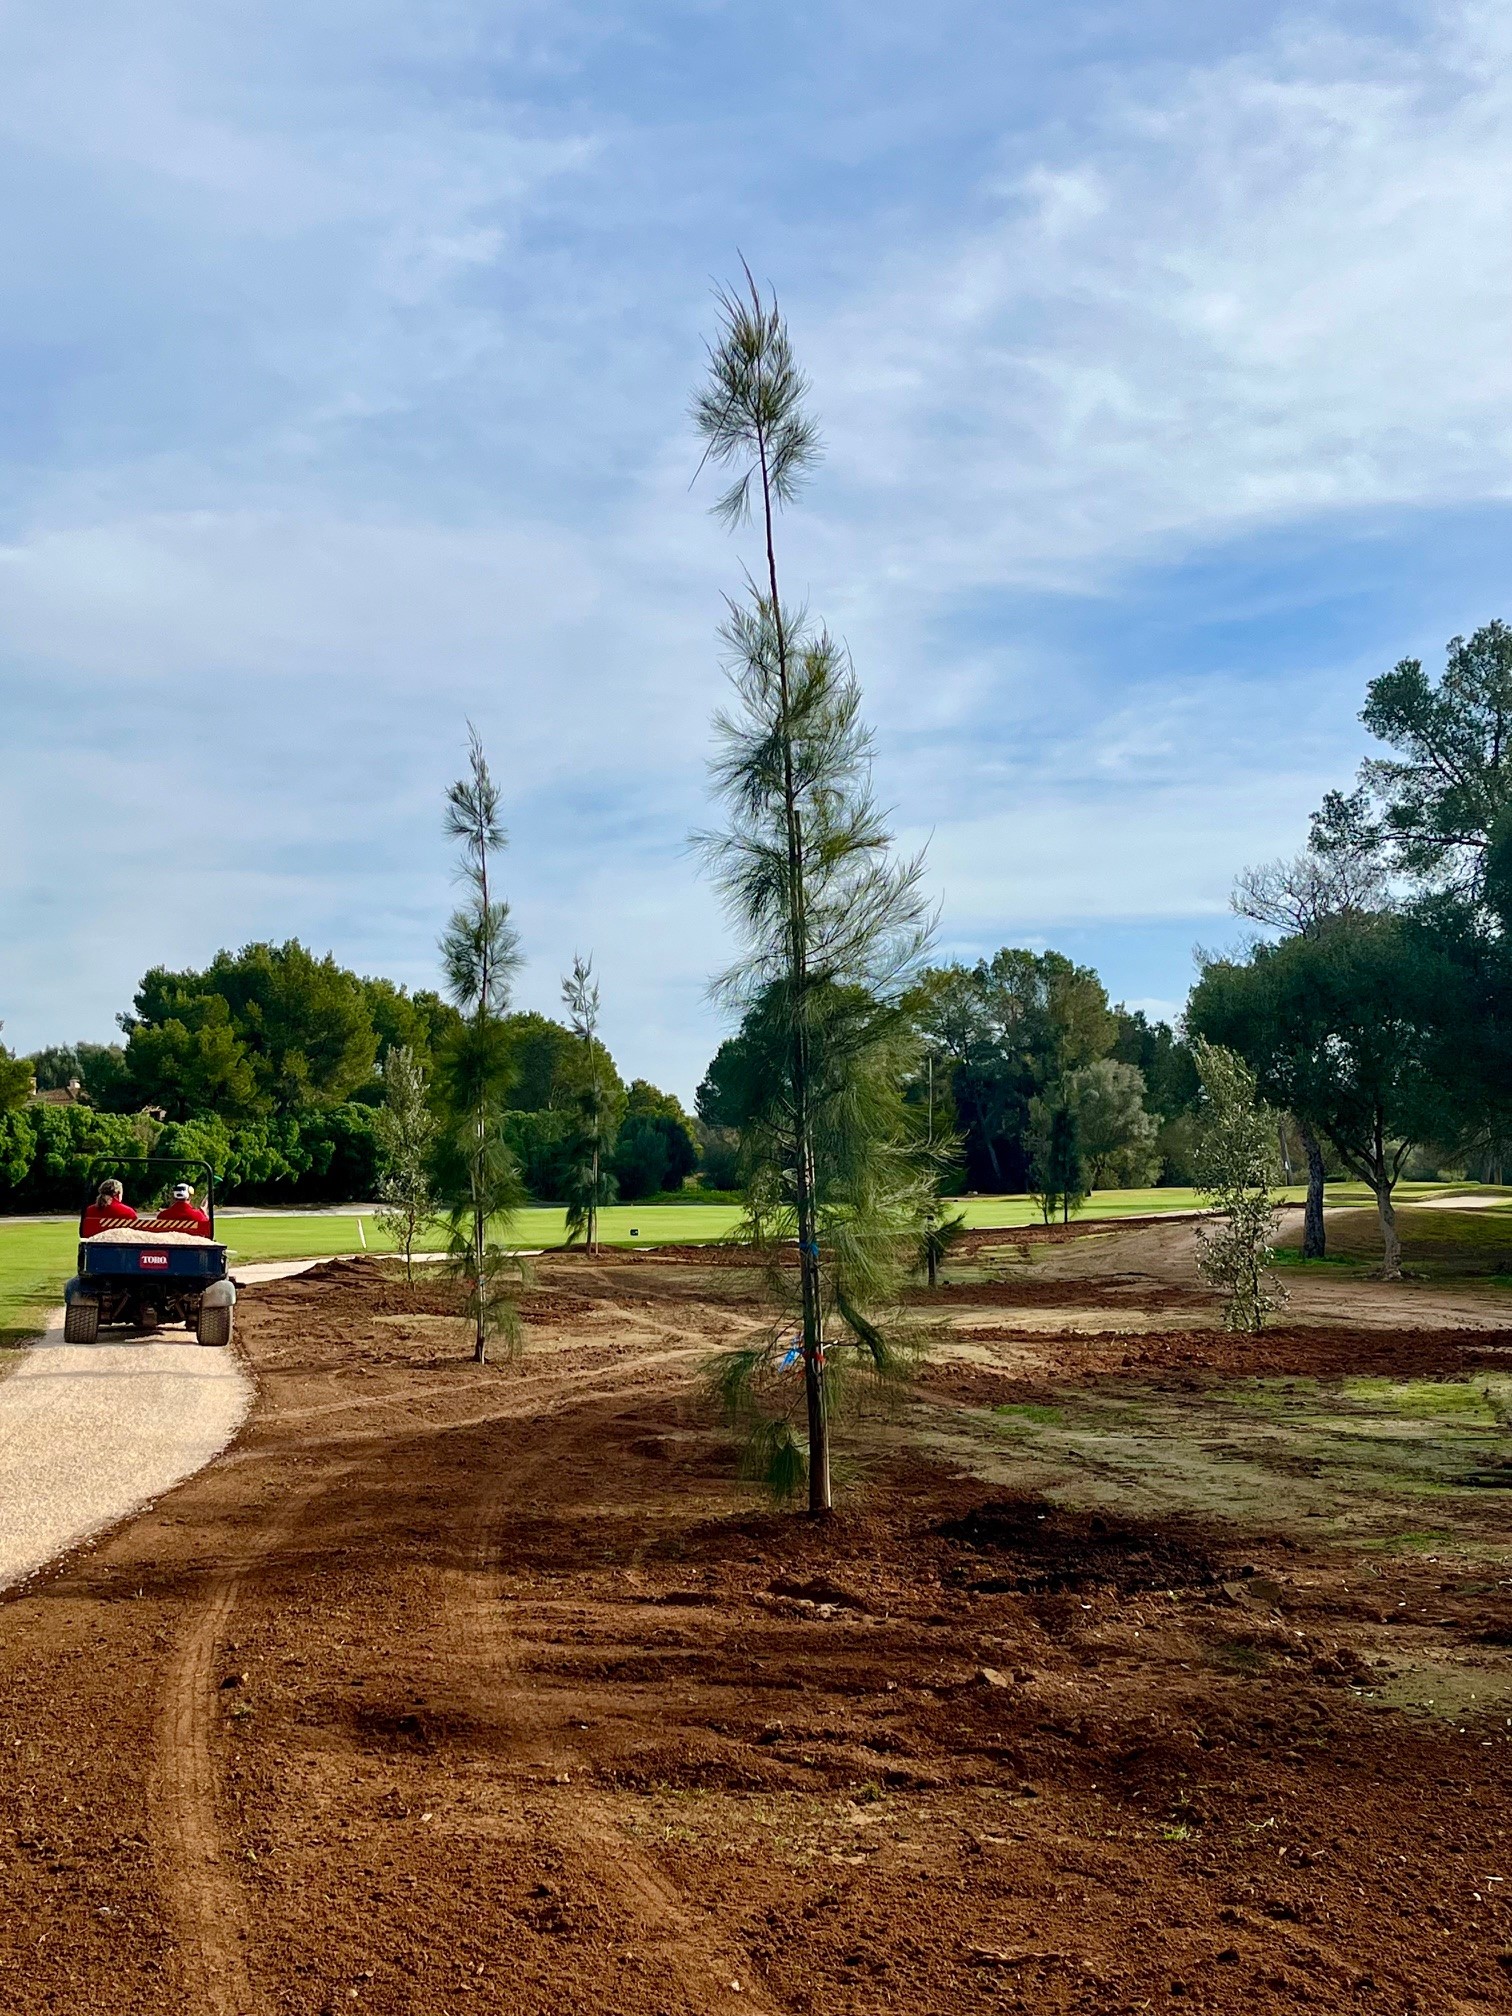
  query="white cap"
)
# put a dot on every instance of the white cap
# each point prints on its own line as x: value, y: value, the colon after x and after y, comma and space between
x: 183, y: 1189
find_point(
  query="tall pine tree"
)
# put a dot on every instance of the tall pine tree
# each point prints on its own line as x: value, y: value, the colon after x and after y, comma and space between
x: 831, y: 924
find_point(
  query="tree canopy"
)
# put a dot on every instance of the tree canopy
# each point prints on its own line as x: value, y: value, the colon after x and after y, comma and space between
x: 1360, y: 1029
x: 1448, y: 788
x: 269, y: 1029
x: 16, y: 1080
x: 1022, y: 1033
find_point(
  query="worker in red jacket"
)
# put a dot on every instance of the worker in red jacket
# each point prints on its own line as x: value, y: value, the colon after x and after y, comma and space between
x: 108, y: 1211
x: 182, y: 1214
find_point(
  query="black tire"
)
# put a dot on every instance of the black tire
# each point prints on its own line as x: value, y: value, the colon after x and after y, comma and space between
x: 213, y: 1327
x: 81, y: 1321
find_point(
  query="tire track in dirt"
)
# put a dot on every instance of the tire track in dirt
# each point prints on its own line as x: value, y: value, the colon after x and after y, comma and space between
x: 706, y: 1968
x: 204, y: 1900
x: 204, y: 1906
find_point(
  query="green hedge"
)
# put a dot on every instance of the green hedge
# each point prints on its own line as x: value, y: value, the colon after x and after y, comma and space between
x: 329, y: 1155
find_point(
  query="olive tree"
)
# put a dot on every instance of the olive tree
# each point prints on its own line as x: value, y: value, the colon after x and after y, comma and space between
x: 407, y: 1138
x: 1234, y: 1147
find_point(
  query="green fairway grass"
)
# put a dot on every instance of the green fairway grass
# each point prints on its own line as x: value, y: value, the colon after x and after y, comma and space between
x: 37, y: 1255
x: 1436, y: 1243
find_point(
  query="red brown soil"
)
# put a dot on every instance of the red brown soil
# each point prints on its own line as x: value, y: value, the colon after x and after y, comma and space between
x: 456, y: 1689
x: 973, y: 1245
x: 1193, y: 1358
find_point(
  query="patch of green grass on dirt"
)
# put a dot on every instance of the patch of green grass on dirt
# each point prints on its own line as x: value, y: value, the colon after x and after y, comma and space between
x: 1483, y: 1399
x: 1449, y: 1692
x: 1027, y: 1414
x: 1429, y: 1541
x: 1339, y: 1460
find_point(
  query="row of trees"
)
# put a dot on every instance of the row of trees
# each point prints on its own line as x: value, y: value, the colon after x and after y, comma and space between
x: 1037, y: 1081
x: 271, y: 1063
x: 1380, y: 1015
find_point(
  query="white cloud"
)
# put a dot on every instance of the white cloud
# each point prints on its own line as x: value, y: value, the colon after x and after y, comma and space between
x: 1275, y: 287
x: 377, y: 419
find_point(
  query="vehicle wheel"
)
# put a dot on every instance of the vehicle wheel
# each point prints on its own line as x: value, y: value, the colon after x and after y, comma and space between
x: 214, y: 1326
x: 81, y: 1321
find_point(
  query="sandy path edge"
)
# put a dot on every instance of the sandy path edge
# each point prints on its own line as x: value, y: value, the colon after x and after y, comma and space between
x: 89, y: 1433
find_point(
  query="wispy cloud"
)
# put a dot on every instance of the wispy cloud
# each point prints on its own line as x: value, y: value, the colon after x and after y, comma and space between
x: 1264, y: 290
x: 346, y: 354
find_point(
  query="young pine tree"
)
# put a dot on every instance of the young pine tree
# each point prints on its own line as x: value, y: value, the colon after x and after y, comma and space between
x: 1234, y: 1171
x: 830, y: 925
x: 1057, y: 1171
x: 479, y: 1180
x: 938, y: 1235
x: 594, y: 1115
x: 407, y: 1137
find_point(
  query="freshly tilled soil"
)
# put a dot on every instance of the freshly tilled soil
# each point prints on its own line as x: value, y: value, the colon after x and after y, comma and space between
x: 455, y: 1688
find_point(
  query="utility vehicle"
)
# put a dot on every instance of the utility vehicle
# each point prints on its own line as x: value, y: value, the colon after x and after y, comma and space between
x: 145, y: 1274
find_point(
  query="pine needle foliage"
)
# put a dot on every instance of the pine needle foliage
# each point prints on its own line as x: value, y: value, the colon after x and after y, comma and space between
x: 478, y: 1179
x: 1234, y: 1171
x: 590, y: 1145
x: 831, y: 925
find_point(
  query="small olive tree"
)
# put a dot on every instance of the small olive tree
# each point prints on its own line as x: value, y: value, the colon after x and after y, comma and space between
x: 407, y: 1136
x: 1234, y: 1172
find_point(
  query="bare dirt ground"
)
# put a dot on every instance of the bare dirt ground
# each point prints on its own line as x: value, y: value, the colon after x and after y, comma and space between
x: 453, y: 1689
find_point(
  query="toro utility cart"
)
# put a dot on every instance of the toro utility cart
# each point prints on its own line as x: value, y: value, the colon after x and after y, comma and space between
x: 162, y: 1264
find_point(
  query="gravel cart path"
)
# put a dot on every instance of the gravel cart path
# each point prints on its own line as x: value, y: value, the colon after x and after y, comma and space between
x: 88, y: 1432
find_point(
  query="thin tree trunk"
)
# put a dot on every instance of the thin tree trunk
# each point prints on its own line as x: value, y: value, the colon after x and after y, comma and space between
x: 820, y: 1500
x: 932, y: 1263
x: 480, y: 1235
x: 1314, y: 1236
x: 1391, y: 1245
x: 480, y: 1219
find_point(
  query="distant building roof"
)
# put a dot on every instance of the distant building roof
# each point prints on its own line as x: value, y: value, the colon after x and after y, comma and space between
x: 70, y: 1094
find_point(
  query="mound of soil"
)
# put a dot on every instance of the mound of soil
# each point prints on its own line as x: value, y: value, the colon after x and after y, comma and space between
x: 1051, y: 1548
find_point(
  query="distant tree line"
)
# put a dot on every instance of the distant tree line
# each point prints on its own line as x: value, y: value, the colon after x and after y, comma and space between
x: 269, y: 1063
x: 1015, y: 1063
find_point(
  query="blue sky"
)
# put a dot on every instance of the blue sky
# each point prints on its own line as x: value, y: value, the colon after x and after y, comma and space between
x: 1162, y: 357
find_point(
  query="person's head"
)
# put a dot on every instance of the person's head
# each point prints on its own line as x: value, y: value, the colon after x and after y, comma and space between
x: 110, y: 1192
x: 183, y: 1193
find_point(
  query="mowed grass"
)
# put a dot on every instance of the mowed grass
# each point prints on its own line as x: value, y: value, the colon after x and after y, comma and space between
x: 1438, y: 1242
x: 37, y: 1255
